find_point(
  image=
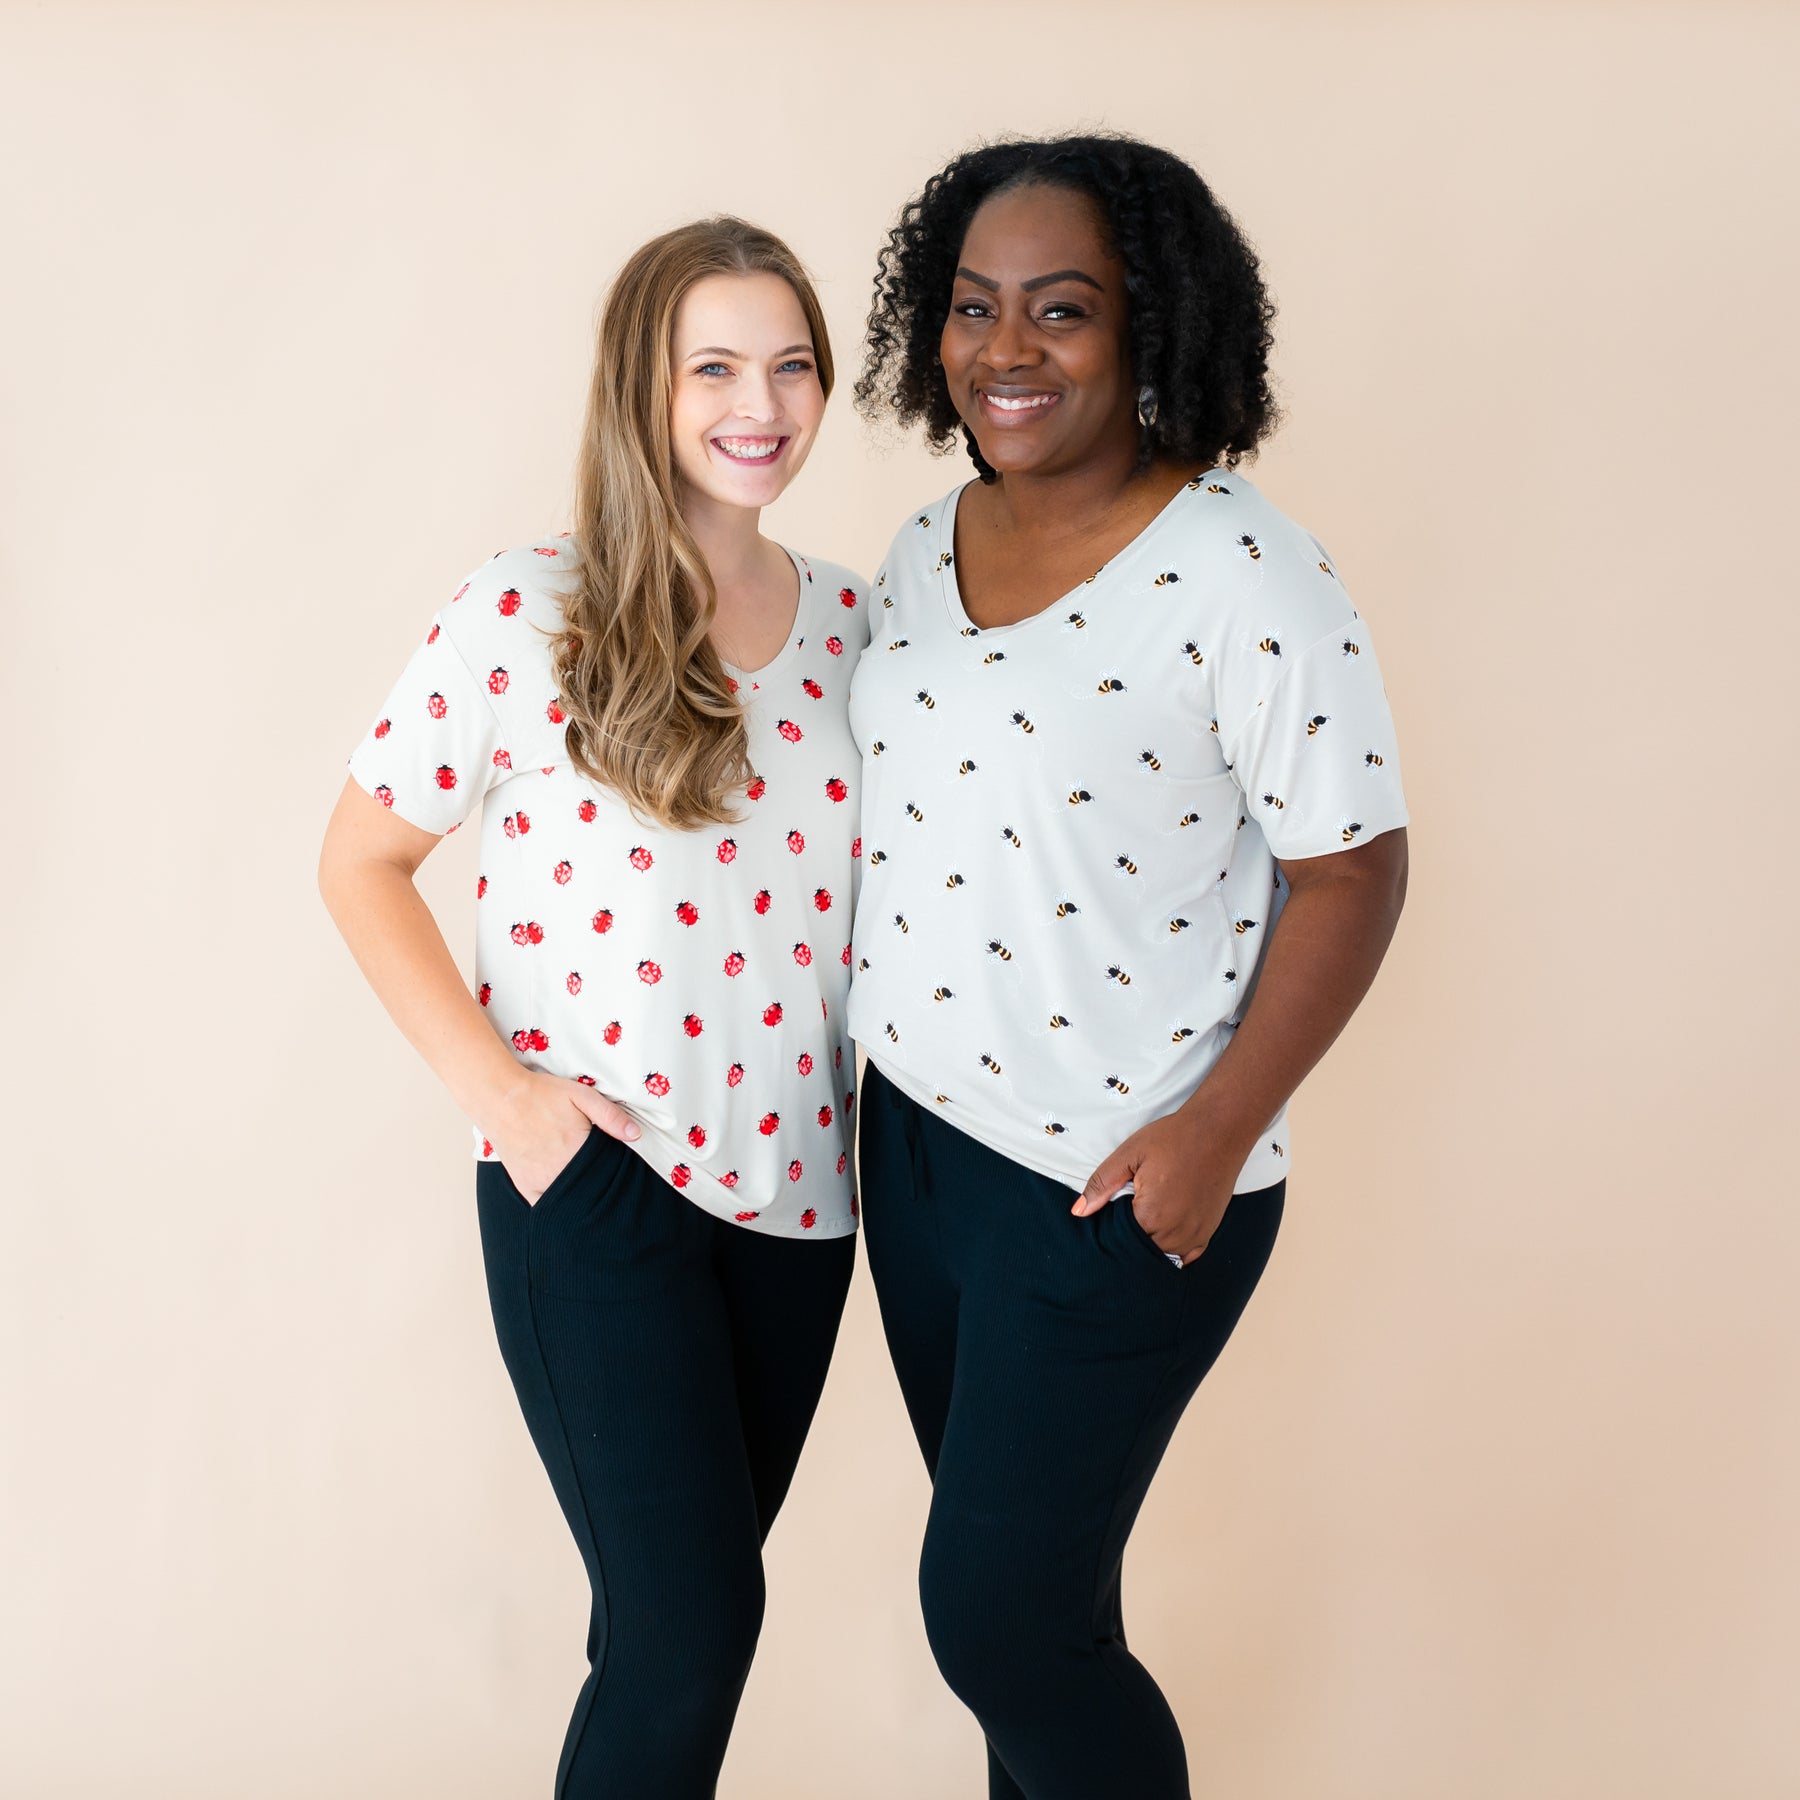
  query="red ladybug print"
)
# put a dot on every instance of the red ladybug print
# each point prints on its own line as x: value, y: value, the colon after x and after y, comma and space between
x: 641, y: 859
x: 769, y: 1123
x: 856, y: 847
x: 539, y: 550
x: 789, y: 730
x: 804, y: 1062
x: 845, y: 958
x: 693, y: 1025
x: 612, y: 1033
x: 734, y: 1074
x: 459, y: 593
x: 502, y: 759
x: 835, y: 645
x: 445, y: 777
x: 531, y: 932
x: 744, y: 1218
x: 757, y: 789
x: 813, y: 688
x: 730, y: 1179
x: 573, y: 984
x: 497, y: 681
x: 561, y: 873
x: 837, y: 1059
x: 727, y: 850
x: 794, y: 1174
x: 554, y: 713
x: 687, y: 912
x: 843, y: 1164
x: 431, y: 637
x: 731, y: 682
x: 510, y: 603
x: 847, y: 596
x: 485, y: 992
x: 681, y: 1175
x: 587, y: 812
x: 524, y: 819
x: 487, y: 1148
x: 734, y: 963
x: 603, y: 921
x: 481, y: 887
x: 825, y: 1115
x: 656, y: 1084
x: 822, y: 899
x: 649, y: 973
x: 587, y: 1081
x: 515, y: 825
x: 809, y: 1218
x: 803, y: 955
x: 697, y: 1136
x: 836, y: 789
x: 531, y: 1039
x: 772, y: 1013
x: 436, y: 707
x: 383, y: 727
x: 764, y: 900
x: 796, y: 842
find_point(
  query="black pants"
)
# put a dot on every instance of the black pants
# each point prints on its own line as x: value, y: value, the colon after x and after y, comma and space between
x: 1045, y: 1361
x: 668, y: 1364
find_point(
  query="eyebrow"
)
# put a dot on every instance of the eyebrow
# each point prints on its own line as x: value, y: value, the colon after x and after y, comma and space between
x: 738, y: 355
x: 1031, y: 286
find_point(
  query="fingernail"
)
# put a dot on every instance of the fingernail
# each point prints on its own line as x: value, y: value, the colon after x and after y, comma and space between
x: 631, y: 1131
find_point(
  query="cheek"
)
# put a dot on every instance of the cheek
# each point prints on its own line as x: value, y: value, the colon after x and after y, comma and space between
x: 806, y: 407
x: 691, y: 415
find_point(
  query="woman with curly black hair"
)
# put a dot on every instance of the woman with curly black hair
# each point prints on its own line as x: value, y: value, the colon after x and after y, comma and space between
x: 1134, y: 838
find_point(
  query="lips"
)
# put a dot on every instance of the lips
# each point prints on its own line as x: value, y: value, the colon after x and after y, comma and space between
x: 749, y: 450
x: 1018, y: 406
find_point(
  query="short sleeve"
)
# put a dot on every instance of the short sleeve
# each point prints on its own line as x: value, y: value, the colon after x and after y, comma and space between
x: 436, y: 747
x: 1316, y: 757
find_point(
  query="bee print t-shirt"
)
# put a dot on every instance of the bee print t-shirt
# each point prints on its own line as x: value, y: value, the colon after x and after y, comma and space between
x: 1071, y: 824
x: 698, y: 978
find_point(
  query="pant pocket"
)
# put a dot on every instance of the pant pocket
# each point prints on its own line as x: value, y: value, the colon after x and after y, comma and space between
x: 1135, y: 1228
x: 571, y: 1173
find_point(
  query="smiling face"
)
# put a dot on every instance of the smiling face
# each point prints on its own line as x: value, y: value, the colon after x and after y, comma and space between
x: 1036, y: 348
x: 745, y: 398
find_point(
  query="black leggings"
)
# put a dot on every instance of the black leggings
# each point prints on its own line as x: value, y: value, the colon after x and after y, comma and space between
x: 1045, y: 1361
x: 668, y: 1364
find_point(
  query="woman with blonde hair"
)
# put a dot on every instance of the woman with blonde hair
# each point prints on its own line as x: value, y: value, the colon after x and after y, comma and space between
x: 655, y: 1059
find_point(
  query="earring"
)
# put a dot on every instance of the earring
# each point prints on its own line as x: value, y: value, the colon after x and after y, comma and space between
x: 1147, y: 407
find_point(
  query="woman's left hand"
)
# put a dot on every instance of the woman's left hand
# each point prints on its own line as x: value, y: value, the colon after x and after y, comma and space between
x: 1182, y: 1175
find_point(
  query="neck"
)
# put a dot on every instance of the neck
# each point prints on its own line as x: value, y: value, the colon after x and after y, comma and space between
x: 1068, y: 502
x: 727, y: 535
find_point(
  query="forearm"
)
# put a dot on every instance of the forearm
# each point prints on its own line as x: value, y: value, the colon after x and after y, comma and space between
x: 1321, y: 960
x: 403, y: 956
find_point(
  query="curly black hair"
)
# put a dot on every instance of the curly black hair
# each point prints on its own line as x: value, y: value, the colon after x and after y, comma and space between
x: 1200, y: 315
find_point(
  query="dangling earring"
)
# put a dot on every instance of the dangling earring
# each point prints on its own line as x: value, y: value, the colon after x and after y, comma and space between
x: 1147, y: 422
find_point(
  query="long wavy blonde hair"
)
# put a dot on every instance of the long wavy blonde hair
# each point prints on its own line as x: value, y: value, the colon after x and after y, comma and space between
x: 650, y: 709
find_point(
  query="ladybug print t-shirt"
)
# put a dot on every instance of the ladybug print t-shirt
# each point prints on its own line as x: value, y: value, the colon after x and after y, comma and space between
x: 698, y: 978
x: 1071, y: 824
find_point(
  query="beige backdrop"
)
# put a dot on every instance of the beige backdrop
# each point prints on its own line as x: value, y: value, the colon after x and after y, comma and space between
x: 1494, y: 1492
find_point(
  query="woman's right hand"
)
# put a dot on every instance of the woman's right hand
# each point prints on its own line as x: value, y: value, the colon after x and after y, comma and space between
x: 540, y: 1122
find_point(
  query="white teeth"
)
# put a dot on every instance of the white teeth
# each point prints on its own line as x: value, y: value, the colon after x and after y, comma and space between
x: 1023, y: 405
x: 749, y: 449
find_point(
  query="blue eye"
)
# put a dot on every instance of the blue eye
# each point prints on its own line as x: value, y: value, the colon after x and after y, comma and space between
x: 798, y: 364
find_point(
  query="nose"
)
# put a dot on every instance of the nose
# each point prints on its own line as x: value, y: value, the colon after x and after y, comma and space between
x: 756, y: 400
x: 1010, y: 345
